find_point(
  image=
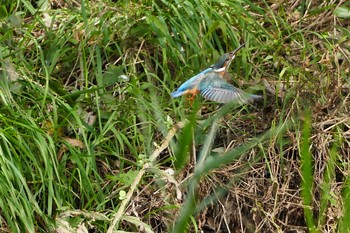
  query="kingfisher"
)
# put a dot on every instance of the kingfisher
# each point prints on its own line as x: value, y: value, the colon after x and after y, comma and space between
x: 210, y: 83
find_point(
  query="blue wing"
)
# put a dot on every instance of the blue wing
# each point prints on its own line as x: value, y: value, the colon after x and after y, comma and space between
x: 191, y: 83
x: 214, y: 88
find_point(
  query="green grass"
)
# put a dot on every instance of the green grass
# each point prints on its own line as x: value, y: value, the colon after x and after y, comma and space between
x: 91, y: 139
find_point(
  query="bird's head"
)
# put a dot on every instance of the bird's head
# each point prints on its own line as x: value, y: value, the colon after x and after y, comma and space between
x: 224, y: 62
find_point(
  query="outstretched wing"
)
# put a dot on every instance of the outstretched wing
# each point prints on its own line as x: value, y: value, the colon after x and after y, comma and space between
x: 214, y: 88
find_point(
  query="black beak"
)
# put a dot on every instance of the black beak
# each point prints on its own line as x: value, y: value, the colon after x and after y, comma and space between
x: 237, y: 49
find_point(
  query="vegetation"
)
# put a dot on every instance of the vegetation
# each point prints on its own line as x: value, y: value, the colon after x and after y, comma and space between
x: 91, y: 140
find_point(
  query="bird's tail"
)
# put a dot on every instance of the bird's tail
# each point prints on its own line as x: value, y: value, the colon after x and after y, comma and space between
x: 177, y: 94
x: 255, y: 97
x: 252, y: 98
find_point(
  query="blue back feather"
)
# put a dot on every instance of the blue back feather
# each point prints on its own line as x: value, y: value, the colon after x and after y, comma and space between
x: 191, y: 83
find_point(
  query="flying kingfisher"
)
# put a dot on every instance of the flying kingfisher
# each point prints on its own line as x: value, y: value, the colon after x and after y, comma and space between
x: 211, y: 85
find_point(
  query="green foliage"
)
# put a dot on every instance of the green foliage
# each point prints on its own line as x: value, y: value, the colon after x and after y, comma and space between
x: 307, y: 174
x: 344, y: 223
x: 84, y: 102
x: 342, y: 12
x: 207, y: 163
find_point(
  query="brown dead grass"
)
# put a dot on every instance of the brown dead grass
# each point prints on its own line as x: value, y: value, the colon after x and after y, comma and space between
x: 263, y: 194
x: 266, y: 197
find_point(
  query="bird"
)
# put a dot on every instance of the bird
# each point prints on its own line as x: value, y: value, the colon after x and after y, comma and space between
x: 210, y: 83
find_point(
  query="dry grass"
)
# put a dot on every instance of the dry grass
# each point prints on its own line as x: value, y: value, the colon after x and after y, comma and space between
x: 297, y: 56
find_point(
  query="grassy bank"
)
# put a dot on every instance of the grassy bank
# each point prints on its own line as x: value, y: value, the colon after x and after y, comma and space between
x: 91, y: 140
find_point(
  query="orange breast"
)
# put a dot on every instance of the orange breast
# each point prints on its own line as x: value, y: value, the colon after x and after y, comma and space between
x: 193, y: 91
x: 222, y: 73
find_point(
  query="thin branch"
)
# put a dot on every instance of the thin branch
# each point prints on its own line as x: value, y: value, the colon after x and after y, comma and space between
x: 138, y: 178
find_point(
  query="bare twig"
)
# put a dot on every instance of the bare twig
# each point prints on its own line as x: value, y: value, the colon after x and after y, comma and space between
x: 138, y: 178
